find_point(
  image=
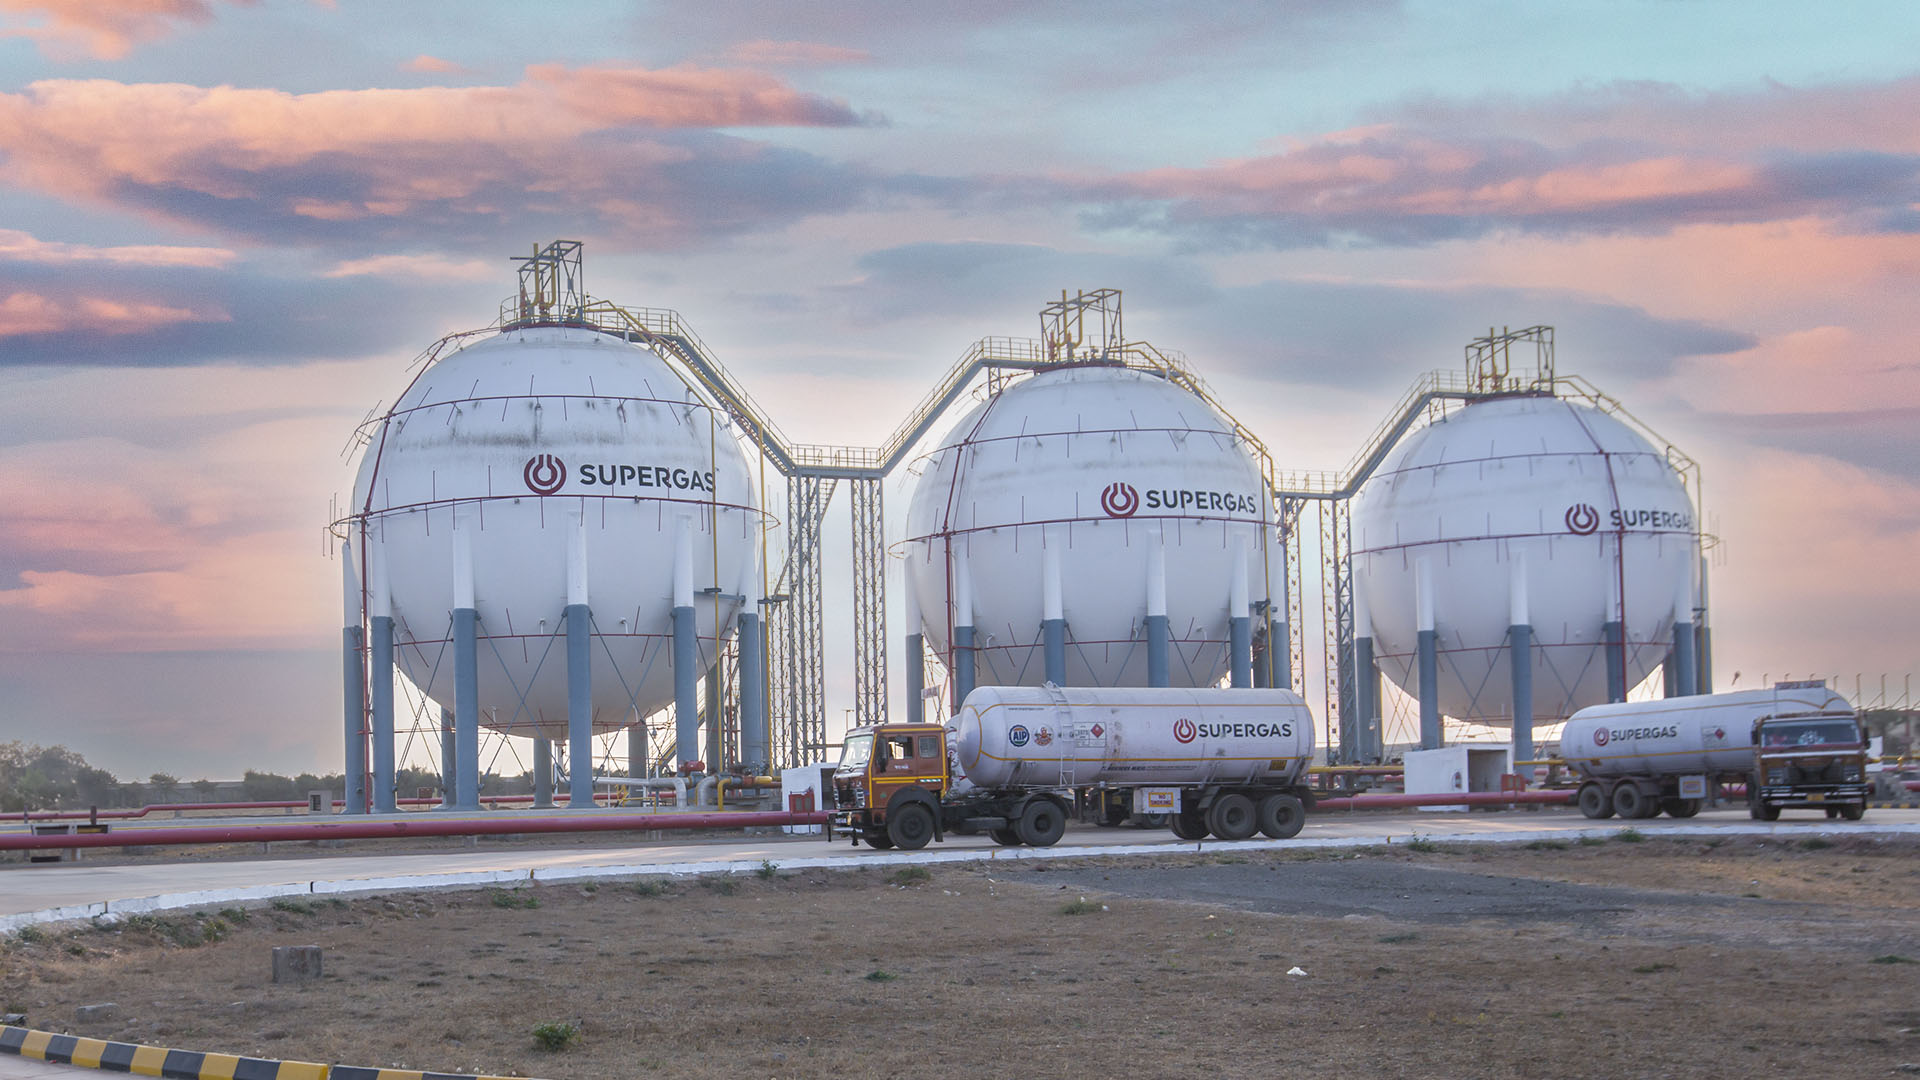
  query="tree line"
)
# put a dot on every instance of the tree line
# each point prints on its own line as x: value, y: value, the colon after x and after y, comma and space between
x: 55, y: 778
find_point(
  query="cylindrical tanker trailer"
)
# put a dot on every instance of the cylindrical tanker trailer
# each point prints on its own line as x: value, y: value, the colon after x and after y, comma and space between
x: 1225, y: 763
x: 1798, y: 744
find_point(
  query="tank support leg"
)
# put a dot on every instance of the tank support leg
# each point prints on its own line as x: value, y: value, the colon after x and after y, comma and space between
x: 466, y: 709
x: 1520, y: 659
x: 1053, y: 635
x: 753, y: 694
x: 1613, y: 642
x: 1240, y: 648
x: 1354, y: 741
x: 1685, y: 677
x: 1280, y: 647
x: 354, y: 678
x: 380, y: 698
x: 716, y: 738
x: 579, y: 618
x: 916, y: 679
x: 542, y: 773
x: 962, y: 665
x: 1429, y: 648
x: 686, y: 687
x: 1159, y: 646
x: 447, y: 756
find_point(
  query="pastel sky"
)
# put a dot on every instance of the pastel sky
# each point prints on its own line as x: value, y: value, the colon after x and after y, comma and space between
x: 227, y: 227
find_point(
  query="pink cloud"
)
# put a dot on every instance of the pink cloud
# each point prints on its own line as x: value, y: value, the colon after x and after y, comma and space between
x: 33, y: 313
x: 794, y: 53
x: 626, y: 144
x: 431, y: 65
x: 105, y: 29
x: 437, y: 267
x: 17, y: 246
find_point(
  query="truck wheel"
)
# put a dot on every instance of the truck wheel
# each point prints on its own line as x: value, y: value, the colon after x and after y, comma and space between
x: 1188, y: 825
x: 1632, y: 803
x: 1680, y: 808
x: 1761, y: 811
x: 1005, y: 837
x: 1041, y: 824
x: 1231, y: 817
x: 1594, y: 802
x: 1854, y: 811
x: 1281, y: 816
x: 877, y: 839
x: 910, y: 827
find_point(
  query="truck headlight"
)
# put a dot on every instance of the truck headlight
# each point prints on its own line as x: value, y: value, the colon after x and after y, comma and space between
x: 1850, y: 774
x: 1776, y: 776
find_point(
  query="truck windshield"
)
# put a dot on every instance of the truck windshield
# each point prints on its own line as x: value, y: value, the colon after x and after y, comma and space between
x: 1809, y: 732
x: 854, y: 754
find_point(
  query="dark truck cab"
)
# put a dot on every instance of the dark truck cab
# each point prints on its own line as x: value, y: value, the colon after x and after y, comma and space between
x: 1812, y: 761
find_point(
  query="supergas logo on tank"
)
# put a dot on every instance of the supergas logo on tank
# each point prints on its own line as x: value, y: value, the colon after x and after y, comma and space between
x: 546, y: 474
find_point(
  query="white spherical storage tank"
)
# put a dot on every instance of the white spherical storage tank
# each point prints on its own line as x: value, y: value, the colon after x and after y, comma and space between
x: 538, y: 468
x: 1097, y: 495
x: 1528, y: 510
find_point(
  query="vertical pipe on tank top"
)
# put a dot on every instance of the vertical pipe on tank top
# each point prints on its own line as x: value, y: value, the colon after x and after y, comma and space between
x: 963, y: 657
x: 466, y: 672
x: 1159, y: 633
x: 916, y: 657
x: 1239, y: 623
x: 353, y: 685
x: 1520, y: 660
x: 447, y: 756
x: 1053, y: 617
x: 1355, y: 741
x: 686, y: 674
x: 1428, y: 646
x: 579, y: 620
x: 380, y: 675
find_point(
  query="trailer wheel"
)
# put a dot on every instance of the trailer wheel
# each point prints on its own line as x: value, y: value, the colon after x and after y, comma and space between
x: 1680, y: 808
x: 1281, y: 816
x: 1041, y: 824
x: 877, y: 839
x: 1231, y: 817
x: 910, y: 827
x: 1188, y: 825
x: 1854, y: 811
x: 1594, y: 802
x: 1005, y: 837
x: 1632, y: 803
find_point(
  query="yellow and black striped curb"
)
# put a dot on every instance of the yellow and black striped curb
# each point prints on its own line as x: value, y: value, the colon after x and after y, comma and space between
x: 1893, y: 805
x: 190, y: 1064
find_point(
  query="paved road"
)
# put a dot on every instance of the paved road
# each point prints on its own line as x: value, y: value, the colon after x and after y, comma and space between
x: 78, y: 890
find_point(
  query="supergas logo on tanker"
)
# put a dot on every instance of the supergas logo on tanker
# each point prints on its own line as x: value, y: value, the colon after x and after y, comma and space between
x: 1186, y: 730
x: 1636, y: 733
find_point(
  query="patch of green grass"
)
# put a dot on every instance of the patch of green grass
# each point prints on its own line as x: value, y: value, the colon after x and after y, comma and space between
x: 1082, y: 906
x: 1398, y: 939
x: 1893, y: 958
x: 234, y: 914
x: 555, y: 1035
x: 1230, y: 860
x: 1421, y: 843
x: 1815, y: 843
x: 721, y: 886
x: 1630, y: 835
x: 1547, y: 845
x: 74, y: 948
x: 877, y: 975
x: 519, y: 899
x: 910, y: 875
x: 767, y: 870
x: 1591, y: 841
x: 291, y: 906
x: 1648, y: 969
x: 30, y: 935
x: 650, y: 887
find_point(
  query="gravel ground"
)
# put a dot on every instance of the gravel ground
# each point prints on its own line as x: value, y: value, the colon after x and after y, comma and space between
x: 1705, y: 958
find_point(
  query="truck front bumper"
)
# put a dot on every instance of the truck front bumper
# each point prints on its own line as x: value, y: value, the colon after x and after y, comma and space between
x: 1838, y: 794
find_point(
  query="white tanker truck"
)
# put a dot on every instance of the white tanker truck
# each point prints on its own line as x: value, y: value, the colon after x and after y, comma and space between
x: 1221, y: 762
x: 1796, y: 745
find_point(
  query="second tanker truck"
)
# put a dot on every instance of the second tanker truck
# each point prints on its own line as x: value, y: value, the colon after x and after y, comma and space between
x: 1797, y: 745
x: 1226, y: 763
